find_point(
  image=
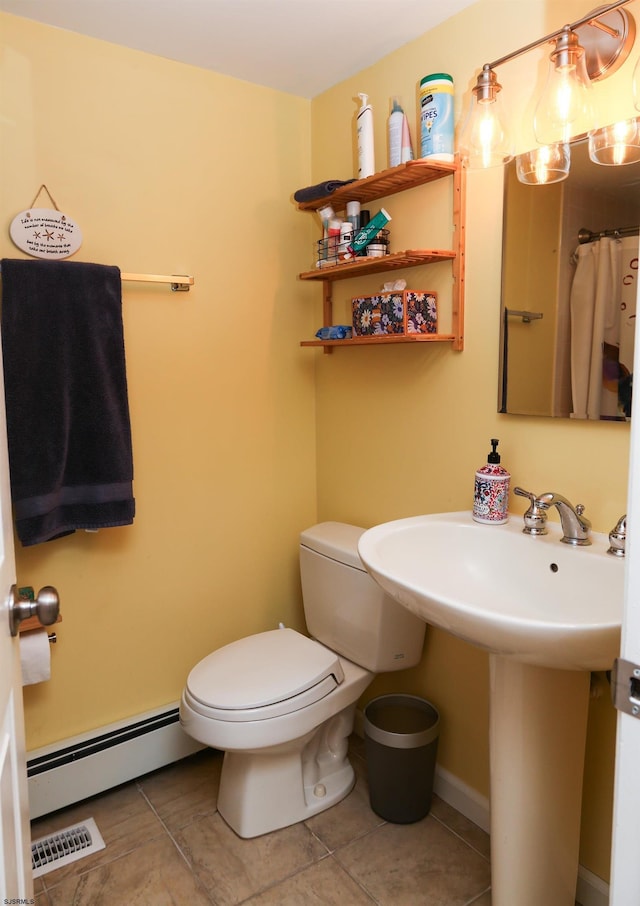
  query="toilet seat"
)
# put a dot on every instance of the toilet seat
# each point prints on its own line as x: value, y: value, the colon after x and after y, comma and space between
x: 264, y: 675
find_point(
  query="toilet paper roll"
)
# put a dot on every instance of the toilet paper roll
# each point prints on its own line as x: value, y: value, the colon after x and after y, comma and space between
x: 35, y: 656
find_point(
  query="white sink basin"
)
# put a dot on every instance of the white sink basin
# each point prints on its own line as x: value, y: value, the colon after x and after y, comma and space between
x: 530, y: 598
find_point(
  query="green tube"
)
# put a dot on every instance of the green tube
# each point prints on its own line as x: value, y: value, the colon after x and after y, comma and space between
x: 364, y: 236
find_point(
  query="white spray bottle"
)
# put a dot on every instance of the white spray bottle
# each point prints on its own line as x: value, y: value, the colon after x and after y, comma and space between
x: 396, y: 122
x: 364, y: 128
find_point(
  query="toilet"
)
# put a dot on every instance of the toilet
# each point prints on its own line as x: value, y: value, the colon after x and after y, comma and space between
x: 281, y: 705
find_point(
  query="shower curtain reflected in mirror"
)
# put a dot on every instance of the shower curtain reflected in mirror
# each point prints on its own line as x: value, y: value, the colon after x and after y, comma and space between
x: 603, y: 312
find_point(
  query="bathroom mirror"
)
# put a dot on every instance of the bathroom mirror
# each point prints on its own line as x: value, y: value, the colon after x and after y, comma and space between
x: 567, y: 317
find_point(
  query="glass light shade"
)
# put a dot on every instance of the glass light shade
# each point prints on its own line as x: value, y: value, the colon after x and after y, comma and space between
x: 635, y: 85
x: 617, y: 144
x: 565, y: 107
x: 485, y: 140
x: 544, y: 165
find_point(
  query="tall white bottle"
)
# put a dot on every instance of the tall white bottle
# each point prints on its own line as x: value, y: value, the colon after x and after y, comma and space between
x: 364, y: 128
x: 396, y: 122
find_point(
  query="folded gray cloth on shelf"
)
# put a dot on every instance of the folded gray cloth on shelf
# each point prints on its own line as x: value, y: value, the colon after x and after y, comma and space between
x: 312, y: 193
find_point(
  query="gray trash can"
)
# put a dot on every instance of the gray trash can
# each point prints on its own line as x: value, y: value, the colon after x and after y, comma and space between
x: 401, y: 744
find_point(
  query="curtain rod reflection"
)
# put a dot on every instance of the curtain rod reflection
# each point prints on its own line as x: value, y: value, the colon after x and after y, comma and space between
x: 585, y: 235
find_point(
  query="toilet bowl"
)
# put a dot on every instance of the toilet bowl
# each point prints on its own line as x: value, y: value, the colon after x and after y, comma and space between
x: 285, y: 760
x: 281, y: 705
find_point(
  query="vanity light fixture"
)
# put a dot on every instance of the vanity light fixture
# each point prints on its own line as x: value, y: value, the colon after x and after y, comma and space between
x: 588, y: 49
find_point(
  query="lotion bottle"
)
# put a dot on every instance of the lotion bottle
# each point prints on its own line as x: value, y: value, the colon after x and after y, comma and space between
x: 491, y: 494
x: 364, y: 128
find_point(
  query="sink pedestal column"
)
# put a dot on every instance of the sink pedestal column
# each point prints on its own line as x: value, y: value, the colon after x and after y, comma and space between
x: 537, y: 744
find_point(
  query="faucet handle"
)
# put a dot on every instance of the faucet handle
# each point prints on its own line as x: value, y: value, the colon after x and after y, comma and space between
x: 618, y: 537
x: 535, y: 519
x: 584, y: 522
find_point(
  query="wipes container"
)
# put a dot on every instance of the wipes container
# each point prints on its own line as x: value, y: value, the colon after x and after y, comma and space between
x: 436, y: 116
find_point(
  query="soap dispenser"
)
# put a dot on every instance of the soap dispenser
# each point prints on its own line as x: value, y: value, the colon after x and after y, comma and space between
x: 491, y: 494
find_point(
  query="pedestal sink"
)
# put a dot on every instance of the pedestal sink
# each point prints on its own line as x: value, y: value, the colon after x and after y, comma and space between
x: 548, y: 613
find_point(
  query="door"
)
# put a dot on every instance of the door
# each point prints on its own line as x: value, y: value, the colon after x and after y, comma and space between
x: 625, y: 864
x: 16, y: 884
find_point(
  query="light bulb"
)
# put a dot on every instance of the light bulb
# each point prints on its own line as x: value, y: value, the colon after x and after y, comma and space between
x: 544, y: 165
x: 485, y: 138
x: 565, y: 107
x: 617, y: 144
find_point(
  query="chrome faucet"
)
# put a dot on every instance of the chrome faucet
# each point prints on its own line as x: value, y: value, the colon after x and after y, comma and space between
x: 575, y: 526
x: 618, y: 537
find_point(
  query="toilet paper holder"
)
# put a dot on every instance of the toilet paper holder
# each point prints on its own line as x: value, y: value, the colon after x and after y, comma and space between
x: 45, y: 607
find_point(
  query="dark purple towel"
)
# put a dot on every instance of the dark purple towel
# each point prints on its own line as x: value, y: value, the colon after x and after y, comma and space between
x: 68, y: 424
x: 320, y: 190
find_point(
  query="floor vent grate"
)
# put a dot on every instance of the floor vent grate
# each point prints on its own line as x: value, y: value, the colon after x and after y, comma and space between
x: 65, y: 846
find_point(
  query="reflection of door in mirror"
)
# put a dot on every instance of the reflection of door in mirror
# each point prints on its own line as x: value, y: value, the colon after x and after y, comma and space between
x: 568, y: 303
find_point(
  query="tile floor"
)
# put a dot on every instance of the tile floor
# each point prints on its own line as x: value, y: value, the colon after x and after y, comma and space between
x: 166, y: 845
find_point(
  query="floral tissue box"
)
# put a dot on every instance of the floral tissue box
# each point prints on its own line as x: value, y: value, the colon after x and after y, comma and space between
x: 395, y: 313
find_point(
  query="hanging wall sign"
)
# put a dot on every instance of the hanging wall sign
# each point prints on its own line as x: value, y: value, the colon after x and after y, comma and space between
x: 45, y: 233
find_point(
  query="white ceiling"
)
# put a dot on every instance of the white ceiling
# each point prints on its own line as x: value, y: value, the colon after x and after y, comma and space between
x: 301, y: 47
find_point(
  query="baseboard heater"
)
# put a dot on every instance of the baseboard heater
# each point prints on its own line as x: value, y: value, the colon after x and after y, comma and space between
x: 82, y: 766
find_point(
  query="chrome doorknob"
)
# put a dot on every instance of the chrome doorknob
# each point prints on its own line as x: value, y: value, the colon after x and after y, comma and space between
x: 46, y: 607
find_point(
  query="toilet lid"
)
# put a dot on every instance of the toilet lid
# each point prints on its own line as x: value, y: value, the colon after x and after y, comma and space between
x: 263, y: 669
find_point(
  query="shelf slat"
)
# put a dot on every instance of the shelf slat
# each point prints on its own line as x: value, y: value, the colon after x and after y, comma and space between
x: 362, y: 266
x: 384, y: 341
x: 386, y: 182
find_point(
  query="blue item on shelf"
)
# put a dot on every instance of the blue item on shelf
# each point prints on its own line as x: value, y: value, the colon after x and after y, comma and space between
x: 335, y: 332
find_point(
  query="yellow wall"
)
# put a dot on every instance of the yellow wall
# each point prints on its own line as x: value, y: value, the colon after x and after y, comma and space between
x: 241, y: 438
x: 168, y: 168
x: 402, y: 429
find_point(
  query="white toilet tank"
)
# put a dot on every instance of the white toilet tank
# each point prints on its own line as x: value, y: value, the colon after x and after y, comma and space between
x: 346, y: 610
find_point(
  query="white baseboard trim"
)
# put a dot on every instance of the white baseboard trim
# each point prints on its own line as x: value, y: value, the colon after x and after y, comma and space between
x: 591, y: 890
x: 462, y: 798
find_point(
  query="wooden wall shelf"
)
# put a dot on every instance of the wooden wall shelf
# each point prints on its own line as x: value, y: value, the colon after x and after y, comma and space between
x: 389, y: 182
